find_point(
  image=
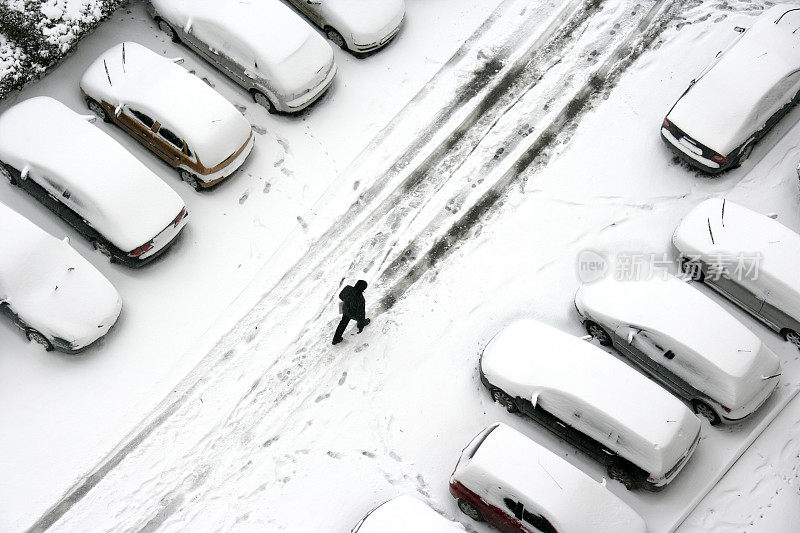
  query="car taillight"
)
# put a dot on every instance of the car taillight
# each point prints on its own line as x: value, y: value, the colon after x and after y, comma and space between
x: 142, y: 249
x: 179, y: 218
x: 667, y: 124
x: 719, y: 158
x: 726, y: 409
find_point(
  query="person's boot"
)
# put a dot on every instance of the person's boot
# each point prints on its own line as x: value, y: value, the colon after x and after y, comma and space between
x: 362, y: 326
x: 336, y: 340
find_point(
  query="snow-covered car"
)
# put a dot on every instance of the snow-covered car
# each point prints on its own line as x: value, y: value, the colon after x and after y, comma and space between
x: 683, y: 340
x: 406, y: 513
x: 740, y: 96
x: 262, y: 45
x: 89, y: 180
x: 170, y: 111
x: 747, y: 257
x: 642, y: 434
x: 517, y: 485
x: 356, y: 25
x: 55, y: 296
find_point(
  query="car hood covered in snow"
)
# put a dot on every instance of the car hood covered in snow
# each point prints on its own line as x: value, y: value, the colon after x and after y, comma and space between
x: 129, y: 74
x: 265, y: 36
x: 727, y: 104
x: 564, y: 375
x: 719, y: 228
x: 120, y: 197
x: 509, y: 463
x: 50, y: 286
x: 728, y: 360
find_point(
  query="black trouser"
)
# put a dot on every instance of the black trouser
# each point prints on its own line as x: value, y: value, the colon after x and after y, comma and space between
x: 343, y: 325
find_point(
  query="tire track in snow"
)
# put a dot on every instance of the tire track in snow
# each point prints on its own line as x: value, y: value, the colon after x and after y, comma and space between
x: 283, y: 378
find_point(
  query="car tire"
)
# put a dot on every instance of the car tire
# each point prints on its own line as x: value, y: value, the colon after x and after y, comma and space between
x: 706, y: 411
x: 792, y: 336
x: 38, y: 338
x: 104, y: 250
x: 505, y: 400
x: 598, y: 332
x: 164, y: 26
x: 617, y: 473
x: 263, y: 100
x: 191, y: 179
x: 335, y: 37
x: 6, y: 173
x: 96, y: 108
x: 694, y: 270
x: 470, y: 510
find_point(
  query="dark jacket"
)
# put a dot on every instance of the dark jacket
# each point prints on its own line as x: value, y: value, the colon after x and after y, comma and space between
x: 354, y: 305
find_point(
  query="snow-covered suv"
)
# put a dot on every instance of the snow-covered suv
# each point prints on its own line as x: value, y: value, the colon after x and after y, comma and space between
x: 89, y: 180
x: 740, y: 96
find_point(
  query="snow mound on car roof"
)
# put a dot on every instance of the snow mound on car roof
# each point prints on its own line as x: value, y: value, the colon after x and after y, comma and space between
x: 725, y: 106
x: 509, y: 464
x: 180, y: 101
x: 120, y: 197
x: 569, y: 377
x: 406, y: 513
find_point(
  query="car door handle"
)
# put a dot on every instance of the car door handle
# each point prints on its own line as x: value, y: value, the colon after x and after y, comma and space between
x: 563, y: 425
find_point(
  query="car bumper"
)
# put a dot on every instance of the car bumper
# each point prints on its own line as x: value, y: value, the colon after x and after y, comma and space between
x: 313, y: 95
x: 693, y: 159
x: 377, y: 45
x: 212, y: 178
x: 744, y: 412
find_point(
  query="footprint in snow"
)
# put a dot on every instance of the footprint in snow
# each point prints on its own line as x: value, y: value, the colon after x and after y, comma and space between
x: 258, y: 129
x: 287, y: 172
x: 365, y: 453
x: 343, y: 378
x: 267, y: 187
x: 243, y: 197
x: 359, y: 348
x: 303, y: 223
x: 322, y: 397
x: 334, y: 455
x: 240, y: 108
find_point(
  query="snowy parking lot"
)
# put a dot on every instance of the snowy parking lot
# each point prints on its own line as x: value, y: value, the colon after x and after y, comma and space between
x: 461, y: 171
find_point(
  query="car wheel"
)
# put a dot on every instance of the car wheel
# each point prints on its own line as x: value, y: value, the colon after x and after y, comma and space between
x: 38, y: 338
x: 7, y: 174
x: 745, y: 153
x: 97, y: 109
x: 505, y: 400
x: 617, y: 473
x: 164, y: 26
x: 598, y: 332
x: 706, y: 411
x: 336, y: 37
x: 470, y: 510
x: 103, y: 249
x: 693, y: 269
x: 262, y: 100
x: 191, y: 179
x: 792, y: 336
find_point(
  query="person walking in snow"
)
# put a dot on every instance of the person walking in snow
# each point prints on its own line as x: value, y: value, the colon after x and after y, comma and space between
x: 353, y: 308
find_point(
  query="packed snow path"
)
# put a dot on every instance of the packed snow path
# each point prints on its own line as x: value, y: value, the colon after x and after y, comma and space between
x: 225, y: 418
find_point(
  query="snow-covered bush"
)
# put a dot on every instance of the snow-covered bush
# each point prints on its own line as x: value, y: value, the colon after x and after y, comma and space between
x: 36, y: 34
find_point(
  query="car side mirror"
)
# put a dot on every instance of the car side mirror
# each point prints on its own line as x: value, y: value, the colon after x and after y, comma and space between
x: 25, y: 172
x: 118, y: 110
x: 187, y: 28
x: 773, y: 216
x: 631, y: 334
x: 177, y: 60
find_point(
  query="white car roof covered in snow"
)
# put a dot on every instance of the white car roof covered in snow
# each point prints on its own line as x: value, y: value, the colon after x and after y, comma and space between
x: 509, y: 464
x: 122, y: 199
x: 181, y: 101
x: 725, y: 106
x: 565, y: 375
x: 403, y: 514
x: 270, y: 30
x: 737, y: 230
x: 728, y: 359
x: 50, y: 286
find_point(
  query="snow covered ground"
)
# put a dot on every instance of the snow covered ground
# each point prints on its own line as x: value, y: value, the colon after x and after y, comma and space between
x: 538, y: 140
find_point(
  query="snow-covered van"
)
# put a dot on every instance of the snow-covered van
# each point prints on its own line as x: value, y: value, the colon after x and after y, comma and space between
x: 518, y: 486
x: 740, y: 96
x: 262, y: 45
x: 170, y: 111
x: 55, y: 296
x: 403, y: 514
x: 360, y: 27
x: 683, y: 340
x: 747, y: 257
x: 89, y: 180
x: 641, y: 433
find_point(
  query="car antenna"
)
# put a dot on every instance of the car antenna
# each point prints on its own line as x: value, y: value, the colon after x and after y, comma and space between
x: 723, y: 212
x: 711, y: 232
x: 107, y: 74
x: 123, y: 57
